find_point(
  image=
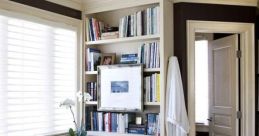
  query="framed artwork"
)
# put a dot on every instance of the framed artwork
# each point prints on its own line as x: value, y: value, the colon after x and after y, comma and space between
x: 108, y: 58
x: 120, y: 88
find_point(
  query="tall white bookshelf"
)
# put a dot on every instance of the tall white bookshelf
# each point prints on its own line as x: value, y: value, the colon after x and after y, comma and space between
x: 110, y: 12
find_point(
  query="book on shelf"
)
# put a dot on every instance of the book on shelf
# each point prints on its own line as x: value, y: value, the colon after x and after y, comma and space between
x: 145, y: 22
x: 137, y: 129
x: 110, y: 35
x: 153, y: 124
x: 88, y: 118
x: 149, y: 54
x: 91, y: 88
x: 152, y: 88
x: 129, y: 58
x: 93, y: 59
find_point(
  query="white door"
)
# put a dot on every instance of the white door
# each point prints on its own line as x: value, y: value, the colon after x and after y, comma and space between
x: 223, y: 86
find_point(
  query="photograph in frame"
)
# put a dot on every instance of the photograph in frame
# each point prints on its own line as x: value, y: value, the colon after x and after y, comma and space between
x: 120, y: 88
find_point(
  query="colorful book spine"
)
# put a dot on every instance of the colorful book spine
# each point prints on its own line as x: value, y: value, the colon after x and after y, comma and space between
x: 152, y: 88
x: 149, y: 55
x: 144, y: 22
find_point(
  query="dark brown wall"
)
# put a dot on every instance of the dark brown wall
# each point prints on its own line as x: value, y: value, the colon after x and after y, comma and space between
x: 204, y: 12
x: 52, y: 7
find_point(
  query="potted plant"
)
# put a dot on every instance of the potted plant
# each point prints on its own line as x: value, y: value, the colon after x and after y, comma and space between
x: 68, y: 103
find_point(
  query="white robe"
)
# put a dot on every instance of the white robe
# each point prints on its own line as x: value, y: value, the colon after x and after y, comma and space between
x: 177, y: 123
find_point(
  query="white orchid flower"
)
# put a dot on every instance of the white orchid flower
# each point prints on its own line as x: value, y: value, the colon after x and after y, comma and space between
x: 87, y: 96
x: 67, y: 103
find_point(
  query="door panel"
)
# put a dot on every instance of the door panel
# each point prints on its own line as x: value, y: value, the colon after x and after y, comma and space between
x: 223, y: 88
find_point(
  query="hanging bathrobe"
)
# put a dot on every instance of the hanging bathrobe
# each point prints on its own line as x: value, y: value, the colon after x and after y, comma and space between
x: 177, y: 123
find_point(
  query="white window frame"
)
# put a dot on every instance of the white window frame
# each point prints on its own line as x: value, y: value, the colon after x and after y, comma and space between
x: 20, y: 11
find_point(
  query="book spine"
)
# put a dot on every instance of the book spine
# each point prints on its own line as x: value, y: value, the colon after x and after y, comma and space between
x: 88, y: 61
x: 151, y: 55
x: 87, y: 29
x: 92, y: 121
x: 158, y: 88
x: 121, y: 28
x: 148, y: 21
x: 106, y: 122
x: 135, y: 24
x: 158, y: 19
x: 95, y: 91
x: 151, y: 120
x: 92, y: 89
x: 131, y: 26
x: 95, y: 121
x: 98, y: 30
x: 88, y: 88
x: 152, y: 21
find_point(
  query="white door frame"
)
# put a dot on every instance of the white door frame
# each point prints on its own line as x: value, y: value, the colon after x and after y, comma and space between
x: 247, y: 69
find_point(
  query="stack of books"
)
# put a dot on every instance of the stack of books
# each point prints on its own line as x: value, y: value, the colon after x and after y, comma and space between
x: 110, y: 35
x: 93, y: 59
x: 137, y: 129
x: 152, y: 88
x: 149, y: 55
x: 144, y: 22
x: 91, y: 88
x: 129, y: 58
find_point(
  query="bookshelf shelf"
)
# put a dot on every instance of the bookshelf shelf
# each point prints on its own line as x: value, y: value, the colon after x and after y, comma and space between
x: 152, y: 103
x: 146, y: 103
x: 91, y: 103
x: 123, y: 40
x: 98, y: 133
x: 147, y: 70
x: 91, y: 72
x: 152, y: 70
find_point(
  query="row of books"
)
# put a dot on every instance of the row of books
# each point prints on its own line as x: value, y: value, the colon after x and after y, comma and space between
x: 98, y: 30
x: 94, y: 29
x: 122, y: 123
x: 91, y: 88
x: 93, y: 59
x: 152, y: 88
x: 109, y: 122
x: 149, y: 54
x: 144, y: 22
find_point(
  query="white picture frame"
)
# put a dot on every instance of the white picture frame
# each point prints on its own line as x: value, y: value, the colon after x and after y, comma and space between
x: 120, y: 88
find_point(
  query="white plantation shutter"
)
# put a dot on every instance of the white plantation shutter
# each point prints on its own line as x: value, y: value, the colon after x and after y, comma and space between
x: 37, y: 71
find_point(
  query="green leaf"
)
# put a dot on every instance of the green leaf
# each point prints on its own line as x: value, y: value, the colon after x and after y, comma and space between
x: 71, y: 132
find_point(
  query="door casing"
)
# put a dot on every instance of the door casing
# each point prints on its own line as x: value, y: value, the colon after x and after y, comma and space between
x: 247, y: 69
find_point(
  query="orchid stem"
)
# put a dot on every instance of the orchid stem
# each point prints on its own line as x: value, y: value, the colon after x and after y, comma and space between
x: 73, y: 117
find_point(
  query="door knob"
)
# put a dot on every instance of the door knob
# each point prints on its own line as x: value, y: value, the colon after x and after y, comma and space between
x: 210, y: 119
